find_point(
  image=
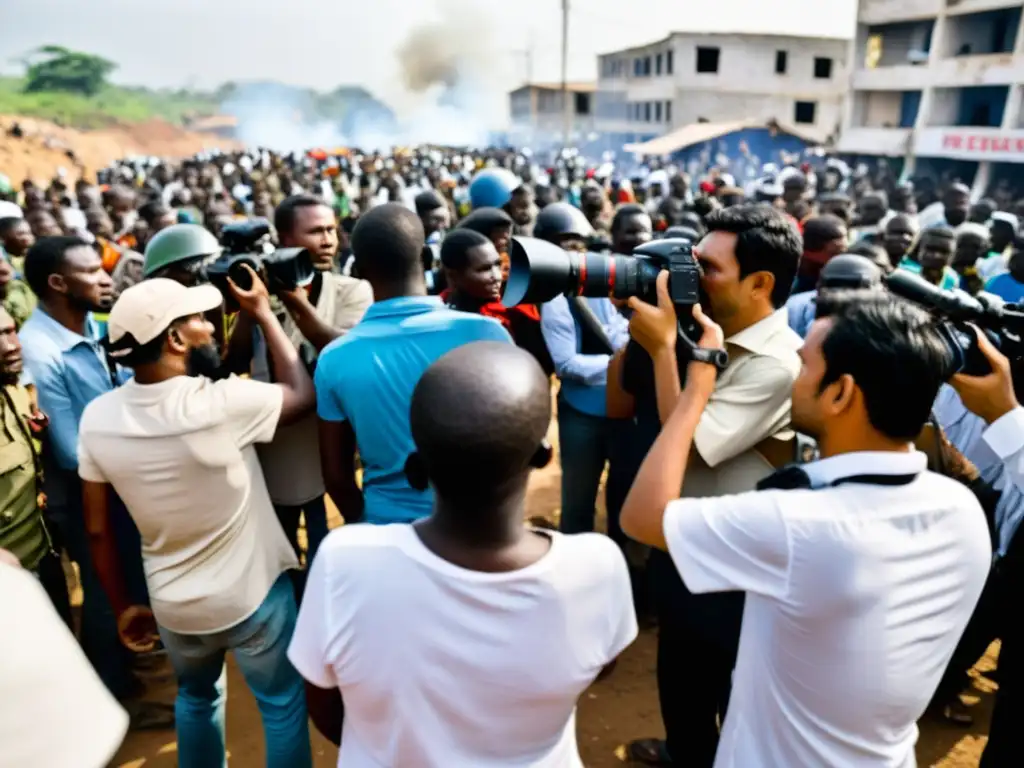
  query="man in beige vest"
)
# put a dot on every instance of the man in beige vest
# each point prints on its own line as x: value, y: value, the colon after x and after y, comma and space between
x: 313, y: 316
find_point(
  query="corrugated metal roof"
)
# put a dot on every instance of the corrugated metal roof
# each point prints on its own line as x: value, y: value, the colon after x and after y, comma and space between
x: 575, y: 87
x: 698, y: 133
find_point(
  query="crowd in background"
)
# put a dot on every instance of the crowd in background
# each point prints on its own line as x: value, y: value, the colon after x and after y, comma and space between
x: 73, y: 251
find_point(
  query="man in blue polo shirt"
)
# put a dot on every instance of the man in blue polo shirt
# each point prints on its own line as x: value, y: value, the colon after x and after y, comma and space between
x: 364, y: 380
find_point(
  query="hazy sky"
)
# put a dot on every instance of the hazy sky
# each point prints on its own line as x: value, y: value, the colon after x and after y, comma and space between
x: 326, y: 43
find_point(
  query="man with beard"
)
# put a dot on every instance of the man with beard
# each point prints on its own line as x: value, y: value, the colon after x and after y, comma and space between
x: 179, y: 449
x: 69, y: 368
x: 314, y: 315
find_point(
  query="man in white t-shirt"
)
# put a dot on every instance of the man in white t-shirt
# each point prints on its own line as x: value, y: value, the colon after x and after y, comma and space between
x: 178, y: 450
x: 56, y: 709
x: 431, y: 631
x: 860, y: 580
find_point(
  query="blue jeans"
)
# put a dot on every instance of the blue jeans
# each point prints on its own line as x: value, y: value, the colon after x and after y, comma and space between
x: 260, y: 645
x: 586, y: 444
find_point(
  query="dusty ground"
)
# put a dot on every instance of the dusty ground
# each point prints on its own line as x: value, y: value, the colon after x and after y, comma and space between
x: 43, y: 148
x: 612, y: 712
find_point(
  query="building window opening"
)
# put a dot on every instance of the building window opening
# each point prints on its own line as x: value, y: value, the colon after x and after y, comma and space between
x: 707, y: 60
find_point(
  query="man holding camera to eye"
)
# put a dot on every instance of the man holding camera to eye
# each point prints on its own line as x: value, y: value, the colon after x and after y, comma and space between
x: 749, y: 260
x: 993, y: 398
x: 316, y: 314
x: 861, y: 569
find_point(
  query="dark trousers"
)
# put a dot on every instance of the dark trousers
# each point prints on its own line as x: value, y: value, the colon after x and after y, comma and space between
x: 979, y: 633
x: 50, y: 573
x: 698, y: 638
x: 1005, y: 746
x: 316, y: 525
x: 98, y: 633
x: 316, y: 531
x: 586, y: 444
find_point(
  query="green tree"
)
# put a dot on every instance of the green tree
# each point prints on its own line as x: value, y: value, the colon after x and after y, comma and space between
x: 61, y: 69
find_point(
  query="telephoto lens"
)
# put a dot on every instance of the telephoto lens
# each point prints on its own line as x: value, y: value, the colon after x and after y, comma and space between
x: 539, y: 271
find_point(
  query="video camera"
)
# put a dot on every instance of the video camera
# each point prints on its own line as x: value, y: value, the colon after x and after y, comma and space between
x: 1002, y: 323
x: 539, y: 271
x: 248, y: 242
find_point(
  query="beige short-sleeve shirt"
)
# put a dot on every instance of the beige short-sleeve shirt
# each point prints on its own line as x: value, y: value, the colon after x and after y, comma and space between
x: 180, y: 456
x: 751, y: 402
x: 291, y: 461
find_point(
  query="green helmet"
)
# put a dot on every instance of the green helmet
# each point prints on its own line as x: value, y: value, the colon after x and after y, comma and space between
x: 179, y: 242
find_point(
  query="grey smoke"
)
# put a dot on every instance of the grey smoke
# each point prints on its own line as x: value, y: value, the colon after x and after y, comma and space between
x: 451, y: 94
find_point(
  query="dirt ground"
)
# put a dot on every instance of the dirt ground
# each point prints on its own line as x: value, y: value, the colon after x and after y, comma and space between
x: 621, y: 708
x: 43, y: 148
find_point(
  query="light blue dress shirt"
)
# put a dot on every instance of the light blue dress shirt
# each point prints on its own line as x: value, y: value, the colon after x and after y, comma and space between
x: 801, y: 309
x: 367, y: 378
x: 583, y: 377
x: 69, y: 372
x: 965, y: 431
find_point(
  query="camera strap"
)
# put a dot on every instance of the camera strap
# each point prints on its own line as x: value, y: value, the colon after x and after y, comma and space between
x: 794, y: 477
x: 593, y: 339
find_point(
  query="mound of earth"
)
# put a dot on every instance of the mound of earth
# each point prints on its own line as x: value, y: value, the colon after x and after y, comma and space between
x: 43, y: 146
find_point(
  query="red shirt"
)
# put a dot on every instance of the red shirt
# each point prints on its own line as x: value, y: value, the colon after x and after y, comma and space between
x: 504, y: 315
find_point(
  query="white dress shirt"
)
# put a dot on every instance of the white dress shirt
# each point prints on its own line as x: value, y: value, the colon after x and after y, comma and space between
x: 1005, y: 436
x: 857, y: 596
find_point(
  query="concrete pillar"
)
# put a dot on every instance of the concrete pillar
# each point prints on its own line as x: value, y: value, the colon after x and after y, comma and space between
x: 1013, y: 104
x: 981, y: 180
x: 927, y: 94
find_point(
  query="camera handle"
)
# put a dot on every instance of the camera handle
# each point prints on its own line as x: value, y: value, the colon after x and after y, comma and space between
x: 716, y: 357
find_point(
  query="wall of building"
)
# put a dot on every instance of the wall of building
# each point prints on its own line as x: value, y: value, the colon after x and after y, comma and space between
x: 747, y: 83
x: 962, y: 101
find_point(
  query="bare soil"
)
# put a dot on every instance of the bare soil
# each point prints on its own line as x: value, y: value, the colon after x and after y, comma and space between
x: 42, y: 150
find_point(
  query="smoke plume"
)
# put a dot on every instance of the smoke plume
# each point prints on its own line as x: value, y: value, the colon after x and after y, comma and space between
x: 451, y: 92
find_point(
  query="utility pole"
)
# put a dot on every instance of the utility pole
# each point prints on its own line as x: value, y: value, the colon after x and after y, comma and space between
x: 566, y: 105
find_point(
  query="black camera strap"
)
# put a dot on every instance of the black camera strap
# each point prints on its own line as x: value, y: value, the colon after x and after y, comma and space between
x: 794, y: 477
x: 593, y: 339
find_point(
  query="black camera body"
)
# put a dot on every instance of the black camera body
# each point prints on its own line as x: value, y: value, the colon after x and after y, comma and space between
x: 1002, y: 323
x: 248, y: 242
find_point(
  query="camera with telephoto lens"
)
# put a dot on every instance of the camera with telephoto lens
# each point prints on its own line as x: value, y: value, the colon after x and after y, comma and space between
x: 539, y: 271
x: 248, y: 242
x: 1002, y: 323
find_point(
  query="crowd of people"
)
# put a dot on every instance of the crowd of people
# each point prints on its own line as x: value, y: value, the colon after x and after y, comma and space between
x: 176, y: 437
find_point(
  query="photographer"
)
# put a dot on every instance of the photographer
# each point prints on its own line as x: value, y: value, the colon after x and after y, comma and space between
x: 178, y: 449
x: 993, y: 398
x: 861, y: 576
x: 315, y: 315
x: 749, y: 260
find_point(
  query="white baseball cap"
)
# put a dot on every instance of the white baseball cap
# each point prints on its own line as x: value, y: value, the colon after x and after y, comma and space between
x: 147, y: 309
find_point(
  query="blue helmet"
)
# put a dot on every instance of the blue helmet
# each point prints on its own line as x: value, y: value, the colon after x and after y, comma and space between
x: 492, y: 188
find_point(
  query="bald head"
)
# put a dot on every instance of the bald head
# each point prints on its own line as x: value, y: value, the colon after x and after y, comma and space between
x: 387, y: 243
x: 478, y: 416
